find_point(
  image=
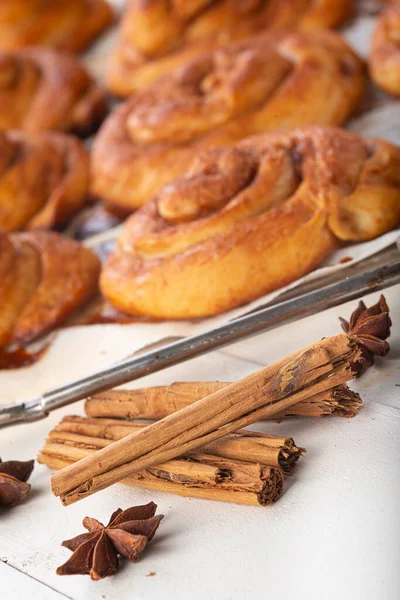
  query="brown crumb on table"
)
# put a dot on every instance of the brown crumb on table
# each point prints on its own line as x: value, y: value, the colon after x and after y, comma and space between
x: 345, y: 259
x: 150, y: 574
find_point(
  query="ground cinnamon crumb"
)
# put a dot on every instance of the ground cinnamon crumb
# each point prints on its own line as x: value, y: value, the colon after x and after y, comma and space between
x: 345, y: 259
x: 150, y: 574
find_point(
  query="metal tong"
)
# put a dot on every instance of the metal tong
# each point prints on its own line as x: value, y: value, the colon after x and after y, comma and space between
x: 137, y: 366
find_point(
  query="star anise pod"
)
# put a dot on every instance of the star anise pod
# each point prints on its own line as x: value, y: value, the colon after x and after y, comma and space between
x: 13, y: 477
x: 127, y: 533
x: 371, y: 327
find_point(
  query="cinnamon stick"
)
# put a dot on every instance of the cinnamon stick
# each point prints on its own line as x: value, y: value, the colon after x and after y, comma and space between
x: 197, y: 475
x: 247, y: 446
x: 269, y: 391
x: 155, y: 403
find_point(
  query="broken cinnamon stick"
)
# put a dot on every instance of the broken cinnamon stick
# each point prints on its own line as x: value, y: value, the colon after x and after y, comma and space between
x: 269, y: 391
x: 155, y: 403
x: 199, y: 475
x: 247, y: 446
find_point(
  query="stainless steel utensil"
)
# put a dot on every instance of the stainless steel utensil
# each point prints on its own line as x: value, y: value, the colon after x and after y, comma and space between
x: 264, y: 319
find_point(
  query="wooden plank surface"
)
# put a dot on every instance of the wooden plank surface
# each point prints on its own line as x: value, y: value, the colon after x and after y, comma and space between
x: 19, y: 586
x: 338, y: 515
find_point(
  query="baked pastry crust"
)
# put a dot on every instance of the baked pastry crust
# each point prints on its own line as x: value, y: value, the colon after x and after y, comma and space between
x: 64, y: 24
x: 43, y: 89
x: 44, y: 179
x: 251, y: 218
x: 158, y: 36
x: 384, y: 60
x: 266, y: 83
x: 44, y: 277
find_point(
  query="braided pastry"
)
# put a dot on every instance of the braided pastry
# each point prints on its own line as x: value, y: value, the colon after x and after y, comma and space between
x: 157, y: 36
x: 251, y: 218
x: 65, y: 24
x: 258, y: 85
x: 385, y: 52
x: 44, y: 277
x: 41, y: 89
x: 44, y: 179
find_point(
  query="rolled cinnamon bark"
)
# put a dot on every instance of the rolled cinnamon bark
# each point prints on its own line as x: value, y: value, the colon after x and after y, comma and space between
x: 149, y: 403
x: 198, y: 475
x: 158, y: 402
x: 248, y: 446
x: 271, y: 390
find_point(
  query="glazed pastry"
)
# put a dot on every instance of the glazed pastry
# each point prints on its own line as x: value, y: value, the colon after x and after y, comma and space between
x: 44, y: 179
x: 44, y: 277
x: 262, y: 84
x: 157, y: 36
x: 251, y: 218
x: 385, y: 52
x: 64, y: 24
x: 42, y: 89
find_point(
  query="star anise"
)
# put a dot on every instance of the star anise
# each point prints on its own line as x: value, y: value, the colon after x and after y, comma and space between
x: 127, y: 533
x: 13, y: 477
x: 371, y: 327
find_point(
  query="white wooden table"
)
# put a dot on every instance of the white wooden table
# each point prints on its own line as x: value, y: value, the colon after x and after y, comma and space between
x: 334, y: 534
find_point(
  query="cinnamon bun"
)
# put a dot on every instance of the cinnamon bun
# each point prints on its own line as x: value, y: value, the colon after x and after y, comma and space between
x: 258, y: 85
x: 44, y: 277
x: 44, y: 179
x: 64, y: 24
x: 43, y: 89
x: 158, y: 36
x: 385, y: 51
x: 248, y: 219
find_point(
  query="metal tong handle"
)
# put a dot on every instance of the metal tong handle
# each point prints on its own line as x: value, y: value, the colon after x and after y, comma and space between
x: 253, y: 323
